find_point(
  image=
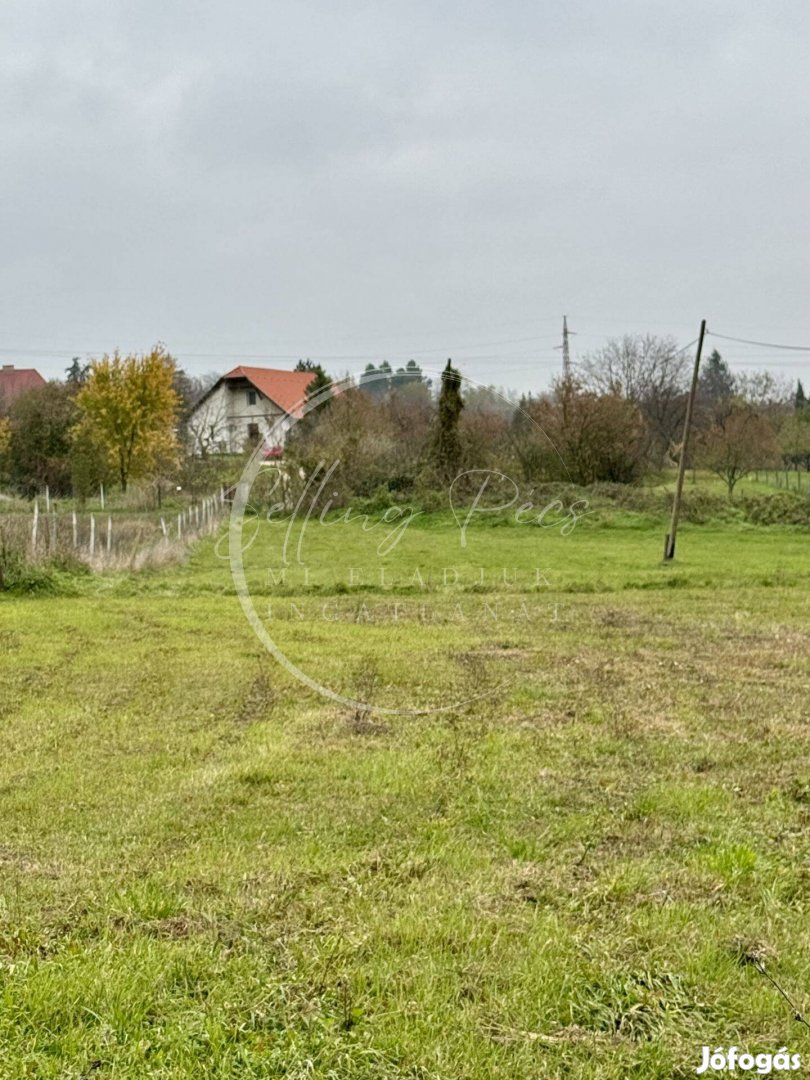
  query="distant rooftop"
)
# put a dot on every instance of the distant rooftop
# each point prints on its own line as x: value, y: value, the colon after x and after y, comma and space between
x: 15, y: 381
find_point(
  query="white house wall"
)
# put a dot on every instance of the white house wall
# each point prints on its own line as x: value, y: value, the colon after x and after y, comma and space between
x: 209, y: 421
x: 224, y: 417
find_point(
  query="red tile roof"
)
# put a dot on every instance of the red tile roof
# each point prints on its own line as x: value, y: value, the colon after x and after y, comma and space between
x: 288, y: 389
x: 15, y: 381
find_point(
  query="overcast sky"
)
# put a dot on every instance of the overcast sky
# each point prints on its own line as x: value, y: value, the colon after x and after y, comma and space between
x: 391, y: 179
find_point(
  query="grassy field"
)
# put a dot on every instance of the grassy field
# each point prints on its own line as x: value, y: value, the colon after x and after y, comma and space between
x: 209, y: 870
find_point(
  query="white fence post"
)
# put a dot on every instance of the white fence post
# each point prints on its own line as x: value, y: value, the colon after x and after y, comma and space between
x: 109, y: 534
x: 75, y: 524
x: 35, y: 526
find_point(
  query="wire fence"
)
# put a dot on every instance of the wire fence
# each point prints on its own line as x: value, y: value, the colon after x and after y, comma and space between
x: 108, y: 540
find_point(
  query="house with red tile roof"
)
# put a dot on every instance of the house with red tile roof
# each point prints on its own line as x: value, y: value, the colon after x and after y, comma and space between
x: 247, y: 406
x: 15, y: 381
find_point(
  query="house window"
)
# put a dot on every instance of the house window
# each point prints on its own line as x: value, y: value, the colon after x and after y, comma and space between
x: 253, y: 433
x: 251, y: 397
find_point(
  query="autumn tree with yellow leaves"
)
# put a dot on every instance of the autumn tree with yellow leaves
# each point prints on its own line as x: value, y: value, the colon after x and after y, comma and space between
x: 128, y: 412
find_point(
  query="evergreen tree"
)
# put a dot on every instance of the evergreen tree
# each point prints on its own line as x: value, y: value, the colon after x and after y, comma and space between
x: 186, y: 388
x: 321, y: 383
x: 448, y: 441
x: 799, y: 401
x: 76, y: 373
x: 716, y: 381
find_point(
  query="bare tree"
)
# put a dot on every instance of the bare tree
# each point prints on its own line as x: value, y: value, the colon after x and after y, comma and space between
x: 206, y: 426
x: 586, y: 437
x: 794, y: 443
x: 764, y: 390
x: 651, y: 373
x: 737, y: 443
x: 409, y: 410
x: 356, y: 432
x: 528, y: 444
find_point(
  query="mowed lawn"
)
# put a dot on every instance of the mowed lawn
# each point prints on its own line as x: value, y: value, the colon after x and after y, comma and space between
x: 209, y: 870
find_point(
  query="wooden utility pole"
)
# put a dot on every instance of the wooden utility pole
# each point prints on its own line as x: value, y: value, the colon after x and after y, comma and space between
x: 669, y: 543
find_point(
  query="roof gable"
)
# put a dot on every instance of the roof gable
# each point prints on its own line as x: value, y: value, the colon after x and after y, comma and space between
x: 288, y: 389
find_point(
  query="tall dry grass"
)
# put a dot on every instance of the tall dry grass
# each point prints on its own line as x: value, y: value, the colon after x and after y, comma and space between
x: 116, y: 541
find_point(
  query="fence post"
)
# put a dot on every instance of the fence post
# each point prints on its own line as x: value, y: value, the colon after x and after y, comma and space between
x: 35, y: 526
x: 75, y: 524
x: 179, y: 526
x: 101, y: 494
x: 47, y: 499
x: 109, y: 534
x: 92, y: 534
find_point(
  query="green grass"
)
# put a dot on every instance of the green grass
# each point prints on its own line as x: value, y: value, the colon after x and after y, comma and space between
x: 208, y: 870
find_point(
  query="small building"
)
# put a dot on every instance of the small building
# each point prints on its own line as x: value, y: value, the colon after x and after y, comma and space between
x: 15, y: 381
x: 247, y: 406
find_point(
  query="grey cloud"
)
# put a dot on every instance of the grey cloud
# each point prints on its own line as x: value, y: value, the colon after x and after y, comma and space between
x: 310, y: 177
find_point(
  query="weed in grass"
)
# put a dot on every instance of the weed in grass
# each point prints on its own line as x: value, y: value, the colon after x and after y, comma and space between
x: 637, y: 1005
x: 364, y: 689
x: 260, y: 698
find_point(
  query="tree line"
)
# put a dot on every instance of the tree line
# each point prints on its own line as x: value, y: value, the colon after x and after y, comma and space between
x: 110, y: 422
x: 617, y: 418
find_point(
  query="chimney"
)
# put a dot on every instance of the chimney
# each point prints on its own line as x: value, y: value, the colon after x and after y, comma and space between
x: 8, y: 367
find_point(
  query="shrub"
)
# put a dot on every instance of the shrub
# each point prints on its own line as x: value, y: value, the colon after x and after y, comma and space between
x: 780, y: 508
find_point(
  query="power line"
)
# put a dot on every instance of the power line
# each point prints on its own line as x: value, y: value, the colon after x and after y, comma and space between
x: 689, y: 345
x: 485, y: 344
x: 61, y: 352
x: 542, y: 355
x: 762, y: 344
x: 237, y: 355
